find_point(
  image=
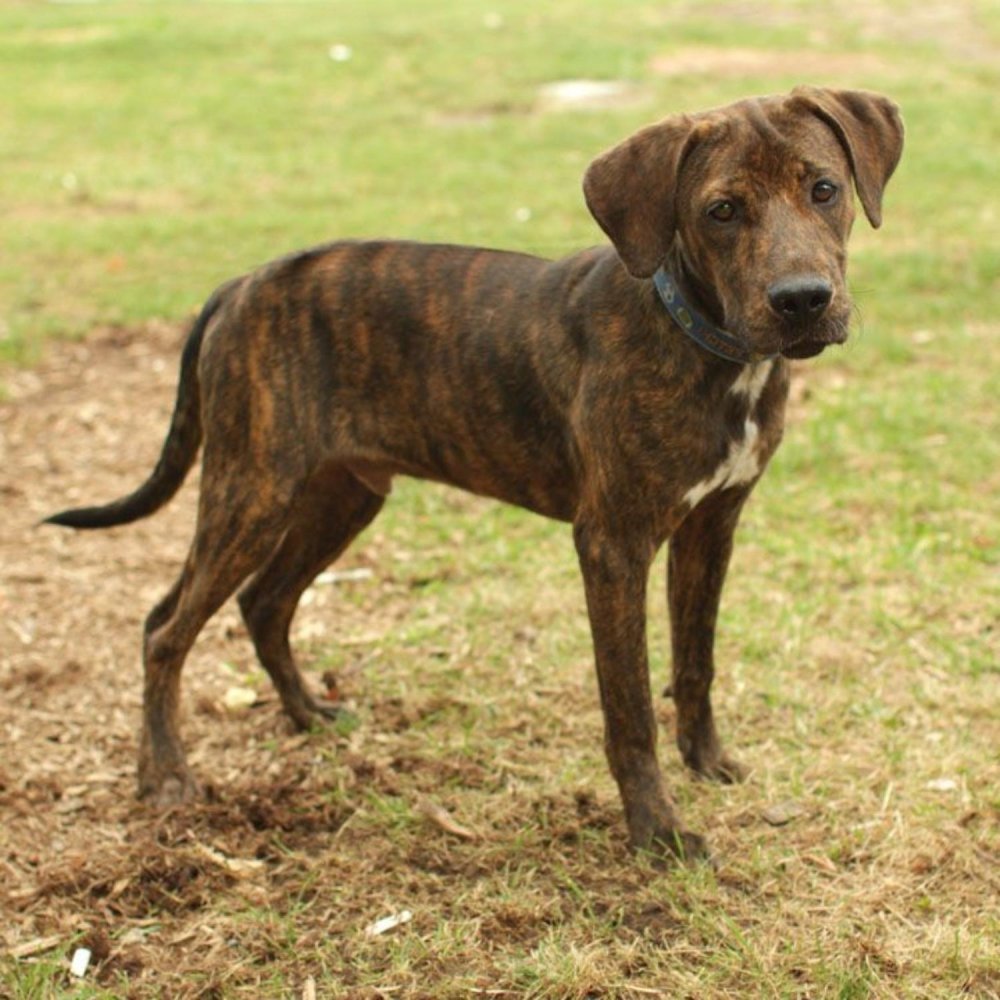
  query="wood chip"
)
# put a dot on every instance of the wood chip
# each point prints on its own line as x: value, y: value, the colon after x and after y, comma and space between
x: 22, y: 895
x: 442, y: 818
x: 783, y: 812
x: 388, y: 923
x: 236, y: 866
x: 821, y: 861
x: 70, y: 805
x: 35, y: 946
x: 237, y: 698
x: 942, y: 784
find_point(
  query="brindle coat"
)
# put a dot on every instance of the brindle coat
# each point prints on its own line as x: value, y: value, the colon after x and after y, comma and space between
x: 561, y: 386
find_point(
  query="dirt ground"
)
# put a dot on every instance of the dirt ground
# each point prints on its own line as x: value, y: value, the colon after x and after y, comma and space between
x: 78, y: 854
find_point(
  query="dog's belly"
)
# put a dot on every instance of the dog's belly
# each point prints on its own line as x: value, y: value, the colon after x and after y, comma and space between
x: 537, y: 476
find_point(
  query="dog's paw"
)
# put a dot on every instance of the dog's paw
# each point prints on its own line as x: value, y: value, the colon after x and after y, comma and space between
x: 326, y: 710
x: 722, y: 768
x: 671, y: 846
x: 307, y: 711
x: 704, y: 755
x: 167, y: 791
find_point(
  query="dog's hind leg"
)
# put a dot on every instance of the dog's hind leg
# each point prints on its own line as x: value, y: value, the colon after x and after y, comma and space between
x: 236, y: 530
x: 333, y: 509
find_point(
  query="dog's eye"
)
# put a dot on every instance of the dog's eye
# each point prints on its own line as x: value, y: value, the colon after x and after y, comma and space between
x: 824, y: 192
x: 722, y: 211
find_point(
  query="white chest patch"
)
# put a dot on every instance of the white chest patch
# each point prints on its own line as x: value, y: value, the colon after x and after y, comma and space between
x: 742, y: 462
x: 751, y: 381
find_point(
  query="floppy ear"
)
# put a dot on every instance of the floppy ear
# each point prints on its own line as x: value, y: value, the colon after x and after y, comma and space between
x: 630, y: 192
x: 869, y: 128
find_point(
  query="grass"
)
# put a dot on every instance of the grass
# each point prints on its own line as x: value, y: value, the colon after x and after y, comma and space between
x: 149, y: 151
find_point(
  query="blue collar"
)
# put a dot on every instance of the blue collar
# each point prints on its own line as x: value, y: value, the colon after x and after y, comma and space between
x: 719, y: 342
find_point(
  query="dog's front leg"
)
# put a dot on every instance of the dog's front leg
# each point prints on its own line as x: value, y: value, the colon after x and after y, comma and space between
x: 696, y: 570
x: 615, y: 574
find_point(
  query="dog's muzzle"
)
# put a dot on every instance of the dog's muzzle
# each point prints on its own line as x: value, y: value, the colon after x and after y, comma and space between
x: 801, y: 302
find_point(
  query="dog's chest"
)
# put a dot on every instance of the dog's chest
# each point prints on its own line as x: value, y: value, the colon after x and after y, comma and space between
x: 744, y: 458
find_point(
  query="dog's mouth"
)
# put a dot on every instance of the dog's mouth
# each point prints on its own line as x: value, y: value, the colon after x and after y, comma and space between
x: 767, y: 337
x: 811, y: 342
x: 802, y: 349
x: 809, y: 345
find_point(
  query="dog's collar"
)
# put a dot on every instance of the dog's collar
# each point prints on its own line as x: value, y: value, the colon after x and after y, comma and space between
x: 703, y: 333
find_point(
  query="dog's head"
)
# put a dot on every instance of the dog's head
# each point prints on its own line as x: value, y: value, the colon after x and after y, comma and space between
x: 753, y: 202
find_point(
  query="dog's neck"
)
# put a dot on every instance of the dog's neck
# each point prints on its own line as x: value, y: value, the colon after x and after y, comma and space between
x: 681, y: 305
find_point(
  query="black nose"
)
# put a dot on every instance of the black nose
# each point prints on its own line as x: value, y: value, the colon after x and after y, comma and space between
x: 800, y: 298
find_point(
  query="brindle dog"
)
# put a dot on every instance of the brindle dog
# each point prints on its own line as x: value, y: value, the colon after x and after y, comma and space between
x: 566, y: 387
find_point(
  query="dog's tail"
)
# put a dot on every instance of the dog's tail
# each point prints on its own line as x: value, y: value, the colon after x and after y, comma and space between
x: 179, y: 449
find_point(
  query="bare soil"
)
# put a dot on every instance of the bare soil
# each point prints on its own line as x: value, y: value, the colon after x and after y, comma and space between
x: 78, y: 855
